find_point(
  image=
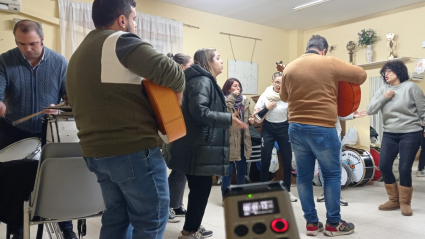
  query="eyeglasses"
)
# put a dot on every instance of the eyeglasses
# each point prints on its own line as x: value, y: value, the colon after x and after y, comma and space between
x: 388, y: 72
x: 277, y: 83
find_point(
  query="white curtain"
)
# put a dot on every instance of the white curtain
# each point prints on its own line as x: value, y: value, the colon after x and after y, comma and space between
x: 76, y: 22
x: 376, y: 120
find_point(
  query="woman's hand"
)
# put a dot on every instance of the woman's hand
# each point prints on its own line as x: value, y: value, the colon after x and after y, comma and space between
x: 389, y: 94
x: 271, y: 105
x: 237, y: 122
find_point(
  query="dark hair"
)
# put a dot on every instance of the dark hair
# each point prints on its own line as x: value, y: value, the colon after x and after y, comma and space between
x: 319, y: 42
x: 203, y: 57
x: 398, y: 67
x: 228, y: 84
x: 276, y: 74
x: 26, y: 26
x: 180, y: 58
x: 105, y: 12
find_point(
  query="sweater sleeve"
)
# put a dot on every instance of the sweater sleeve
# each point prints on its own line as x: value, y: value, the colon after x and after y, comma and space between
x: 283, y: 90
x: 198, y: 93
x: 347, y: 72
x: 376, y: 103
x: 349, y: 117
x: 142, y: 59
x: 419, y: 99
x: 64, y: 67
x: 3, y: 81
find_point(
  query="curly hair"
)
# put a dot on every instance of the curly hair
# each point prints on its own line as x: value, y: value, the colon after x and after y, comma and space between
x: 398, y: 67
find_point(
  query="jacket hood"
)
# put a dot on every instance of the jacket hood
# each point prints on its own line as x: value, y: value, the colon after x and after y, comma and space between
x: 195, y: 71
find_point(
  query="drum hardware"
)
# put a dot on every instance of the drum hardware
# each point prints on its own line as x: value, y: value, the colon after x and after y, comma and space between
x: 260, y: 211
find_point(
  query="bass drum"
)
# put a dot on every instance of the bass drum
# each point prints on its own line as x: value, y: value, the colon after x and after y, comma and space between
x: 360, y: 162
x: 375, y: 152
x: 346, y: 175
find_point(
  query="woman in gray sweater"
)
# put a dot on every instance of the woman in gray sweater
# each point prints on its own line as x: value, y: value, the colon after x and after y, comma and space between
x: 402, y: 104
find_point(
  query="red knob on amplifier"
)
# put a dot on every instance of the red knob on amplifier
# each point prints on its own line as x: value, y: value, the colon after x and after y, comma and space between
x: 279, y: 225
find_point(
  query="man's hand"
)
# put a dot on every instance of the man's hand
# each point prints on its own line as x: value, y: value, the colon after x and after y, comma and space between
x: 50, y: 111
x: 179, y: 97
x: 359, y: 114
x: 238, y: 123
x: 65, y: 97
x: 251, y: 119
x: 271, y: 105
x: 389, y: 94
x: 2, y: 109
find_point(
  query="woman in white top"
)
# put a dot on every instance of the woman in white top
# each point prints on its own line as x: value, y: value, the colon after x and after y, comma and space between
x: 275, y: 128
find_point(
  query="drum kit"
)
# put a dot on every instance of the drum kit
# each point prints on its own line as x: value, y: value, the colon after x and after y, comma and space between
x: 56, y: 129
x: 359, y: 166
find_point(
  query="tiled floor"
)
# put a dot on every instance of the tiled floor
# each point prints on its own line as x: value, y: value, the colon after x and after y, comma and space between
x: 362, y: 210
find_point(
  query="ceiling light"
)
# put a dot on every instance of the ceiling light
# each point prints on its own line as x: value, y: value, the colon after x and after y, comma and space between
x: 310, y: 4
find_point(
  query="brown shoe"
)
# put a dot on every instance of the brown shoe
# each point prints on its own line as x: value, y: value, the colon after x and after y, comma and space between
x: 405, y: 199
x: 393, y: 202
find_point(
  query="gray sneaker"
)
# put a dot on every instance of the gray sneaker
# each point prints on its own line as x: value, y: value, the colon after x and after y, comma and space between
x: 172, y: 217
x: 420, y: 173
x: 195, y: 235
x: 204, y: 232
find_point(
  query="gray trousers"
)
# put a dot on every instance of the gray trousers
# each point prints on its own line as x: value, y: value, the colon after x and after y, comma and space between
x: 177, y: 184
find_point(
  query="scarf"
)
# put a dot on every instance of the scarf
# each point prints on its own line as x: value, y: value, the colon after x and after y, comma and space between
x: 239, y: 105
x: 271, y: 94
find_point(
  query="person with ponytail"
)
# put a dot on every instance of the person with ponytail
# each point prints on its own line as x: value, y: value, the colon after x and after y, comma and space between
x: 177, y: 179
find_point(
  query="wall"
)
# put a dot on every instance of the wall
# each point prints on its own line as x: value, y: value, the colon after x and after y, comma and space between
x: 272, y: 48
x: 404, y: 22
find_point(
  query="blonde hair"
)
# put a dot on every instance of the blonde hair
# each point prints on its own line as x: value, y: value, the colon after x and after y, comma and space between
x: 204, y: 57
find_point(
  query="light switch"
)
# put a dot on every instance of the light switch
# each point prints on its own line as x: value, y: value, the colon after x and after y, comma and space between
x: 423, y: 44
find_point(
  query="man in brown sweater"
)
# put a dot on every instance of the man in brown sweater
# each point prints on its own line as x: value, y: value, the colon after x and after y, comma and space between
x: 117, y: 130
x: 310, y: 86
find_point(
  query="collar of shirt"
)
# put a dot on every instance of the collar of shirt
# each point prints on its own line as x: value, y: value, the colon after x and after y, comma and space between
x: 42, y: 58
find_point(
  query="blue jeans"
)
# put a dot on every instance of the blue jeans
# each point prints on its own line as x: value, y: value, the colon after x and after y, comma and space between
x: 318, y: 165
x: 309, y: 143
x: 240, y: 172
x: 135, y: 190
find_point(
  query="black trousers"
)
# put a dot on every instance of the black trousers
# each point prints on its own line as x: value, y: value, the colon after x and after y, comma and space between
x: 200, y: 189
x: 271, y: 132
x: 421, y: 165
x: 407, y: 144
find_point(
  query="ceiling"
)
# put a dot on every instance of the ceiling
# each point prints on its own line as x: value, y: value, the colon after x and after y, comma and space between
x: 279, y: 14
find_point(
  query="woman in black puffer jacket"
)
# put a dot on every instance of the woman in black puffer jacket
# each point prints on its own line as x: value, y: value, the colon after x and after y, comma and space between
x: 204, y: 151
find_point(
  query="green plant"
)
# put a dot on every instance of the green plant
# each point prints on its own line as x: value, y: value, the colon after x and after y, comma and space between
x: 366, y: 37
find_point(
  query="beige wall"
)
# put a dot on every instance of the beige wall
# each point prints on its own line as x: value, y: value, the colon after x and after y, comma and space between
x: 272, y: 48
x: 404, y: 22
x: 276, y: 44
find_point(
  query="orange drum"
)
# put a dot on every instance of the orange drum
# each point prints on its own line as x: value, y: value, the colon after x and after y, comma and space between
x: 375, y: 152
